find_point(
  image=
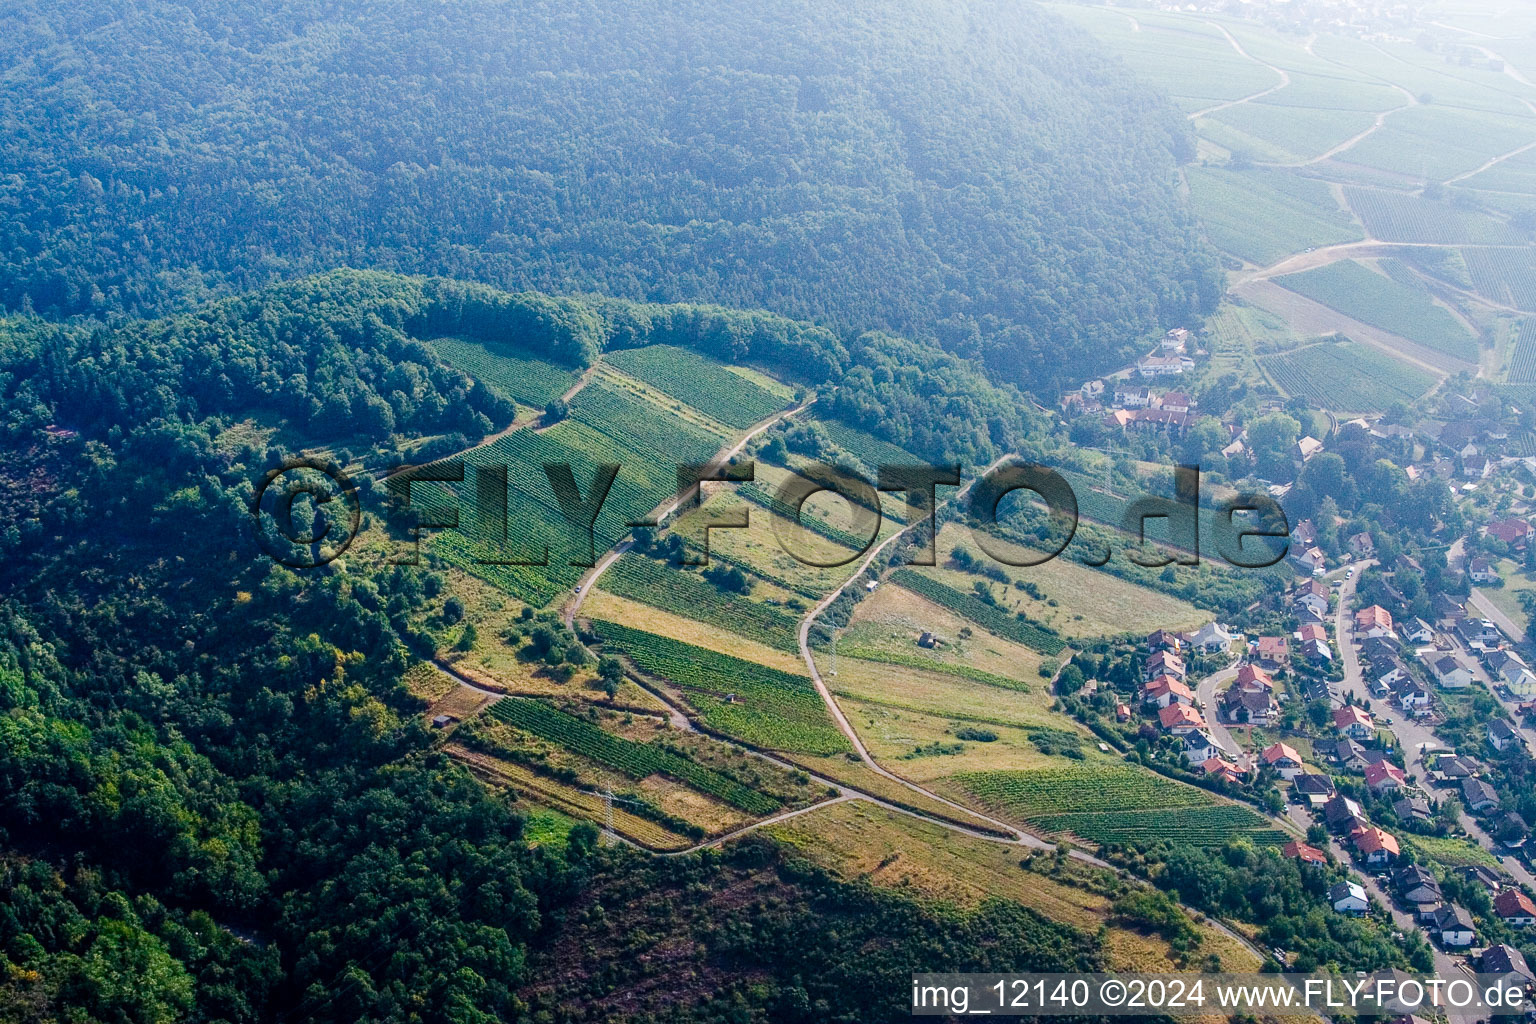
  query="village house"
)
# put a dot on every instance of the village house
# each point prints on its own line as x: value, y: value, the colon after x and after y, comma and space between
x: 1311, y: 559
x: 1378, y: 649
x: 1305, y: 533
x: 1180, y: 720
x: 1344, y: 815
x: 1220, y: 768
x: 1313, y: 595
x: 1164, y: 640
x: 1153, y: 365
x: 1247, y: 707
x: 1349, y: 898
x: 1211, y: 638
x: 1273, y: 652
x: 1515, y: 908
x: 1375, y: 846
x: 1482, y: 571
x: 1314, y: 787
x: 1175, y: 340
x: 1419, y: 632
x: 1298, y: 850
x: 1354, y: 722
x: 1514, y: 532
x: 1478, y: 634
x: 1454, y: 926
x: 1502, y: 736
x: 1414, y: 884
x: 1283, y: 759
x: 1384, y: 777
x: 1510, y: 669
x: 1361, y: 545
x: 1253, y: 680
x: 1450, y: 672
x: 1508, y: 964
x: 1133, y: 396
x: 1408, y: 808
x: 1163, y: 663
x: 1176, y: 401
x: 1166, y: 690
x: 1477, y: 796
x: 1199, y: 747
x: 1308, y: 447
x: 1373, y: 621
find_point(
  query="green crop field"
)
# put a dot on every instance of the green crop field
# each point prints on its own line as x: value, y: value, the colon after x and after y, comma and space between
x: 1346, y: 377
x: 772, y: 709
x: 1395, y: 217
x: 1522, y: 365
x: 511, y: 373
x: 1378, y: 300
x: 988, y: 616
x: 636, y: 760
x: 1112, y: 802
x: 872, y: 451
x: 675, y: 589
x: 1505, y: 276
x: 702, y: 383
x: 1263, y: 215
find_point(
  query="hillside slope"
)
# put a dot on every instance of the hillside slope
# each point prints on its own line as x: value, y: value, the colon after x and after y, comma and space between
x: 972, y: 172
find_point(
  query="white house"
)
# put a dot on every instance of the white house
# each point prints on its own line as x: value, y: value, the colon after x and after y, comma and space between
x: 1349, y: 898
x: 1311, y: 559
x: 1211, y: 637
x: 1419, y: 632
x: 1455, y: 927
x: 1283, y: 759
x: 1451, y: 673
x: 1200, y: 748
x: 1502, y: 735
x: 1482, y: 571
x: 1308, y: 447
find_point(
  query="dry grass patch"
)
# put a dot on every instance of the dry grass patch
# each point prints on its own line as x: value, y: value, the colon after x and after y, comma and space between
x: 893, y: 734
x: 860, y: 776
x: 940, y: 694
x: 889, y: 622
x: 601, y: 604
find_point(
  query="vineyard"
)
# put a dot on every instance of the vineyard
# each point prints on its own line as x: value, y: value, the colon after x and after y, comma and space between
x: 772, y: 709
x: 508, y: 372
x: 684, y: 592
x: 1506, y: 276
x: 702, y: 383
x: 1186, y: 826
x: 1522, y: 364
x: 868, y: 449
x: 760, y: 495
x: 1091, y: 801
x: 1378, y: 300
x: 637, y: 760
x: 607, y: 426
x: 1261, y: 216
x: 991, y: 617
x: 1395, y: 217
x: 1346, y: 377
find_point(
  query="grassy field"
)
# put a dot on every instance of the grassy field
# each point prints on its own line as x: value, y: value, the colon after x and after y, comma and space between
x: 1346, y: 377
x: 1263, y: 215
x: 1376, y: 299
x: 1398, y: 217
x: 886, y: 625
x: 600, y: 604
x: 938, y: 693
x: 990, y: 615
x: 674, y: 589
x: 892, y: 734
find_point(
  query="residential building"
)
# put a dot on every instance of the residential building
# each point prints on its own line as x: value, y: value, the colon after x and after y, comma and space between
x: 1180, y: 720
x: 1163, y: 663
x: 1454, y: 926
x: 1354, y: 722
x: 1482, y: 571
x: 1349, y: 898
x: 1298, y: 850
x: 1450, y: 673
x: 1315, y: 788
x: 1408, y: 808
x: 1508, y: 964
x: 1308, y: 447
x: 1221, y: 768
x: 1477, y: 796
x: 1515, y: 908
x: 1514, y: 532
x: 1384, y: 777
x: 1311, y: 559
x: 1283, y: 759
x: 1361, y: 545
x: 1211, y: 637
x: 1344, y: 815
x: 1502, y: 736
x: 1247, y: 707
x: 1273, y: 652
x: 1373, y: 621
x: 1164, y: 640
x: 1165, y: 690
x: 1375, y: 845
x: 1199, y: 747
x: 1419, y: 632
x: 1414, y: 884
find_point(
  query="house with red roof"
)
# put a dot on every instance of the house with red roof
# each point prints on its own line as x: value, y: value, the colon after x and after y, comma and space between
x: 1180, y: 719
x: 1514, y: 907
x: 1514, y: 532
x: 1165, y: 690
x: 1251, y: 679
x: 1282, y: 757
x: 1221, y: 768
x: 1354, y: 722
x: 1273, y: 652
x: 1375, y: 846
x: 1373, y: 621
x: 1298, y: 850
x: 1384, y: 777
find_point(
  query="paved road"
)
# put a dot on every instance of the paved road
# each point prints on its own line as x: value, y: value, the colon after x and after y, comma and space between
x: 1206, y: 691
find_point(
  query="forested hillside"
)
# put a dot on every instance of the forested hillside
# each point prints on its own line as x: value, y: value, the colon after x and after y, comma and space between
x: 973, y: 173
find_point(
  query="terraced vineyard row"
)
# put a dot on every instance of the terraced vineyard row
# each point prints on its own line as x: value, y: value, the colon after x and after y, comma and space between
x: 511, y: 373
x: 1380, y: 301
x: 771, y: 709
x: 675, y: 589
x: 1395, y: 217
x: 989, y: 616
x: 636, y: 760
x: 1346, y: 377
x: 760, y: 495
x: 1186, y: 826
x: 1506, y: 276
x: 1522, y: 365
x: 1094, y: 786
x: 702, y: 383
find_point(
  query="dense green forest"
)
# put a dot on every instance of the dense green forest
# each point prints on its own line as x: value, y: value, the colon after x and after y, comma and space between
x: 973, y: 173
